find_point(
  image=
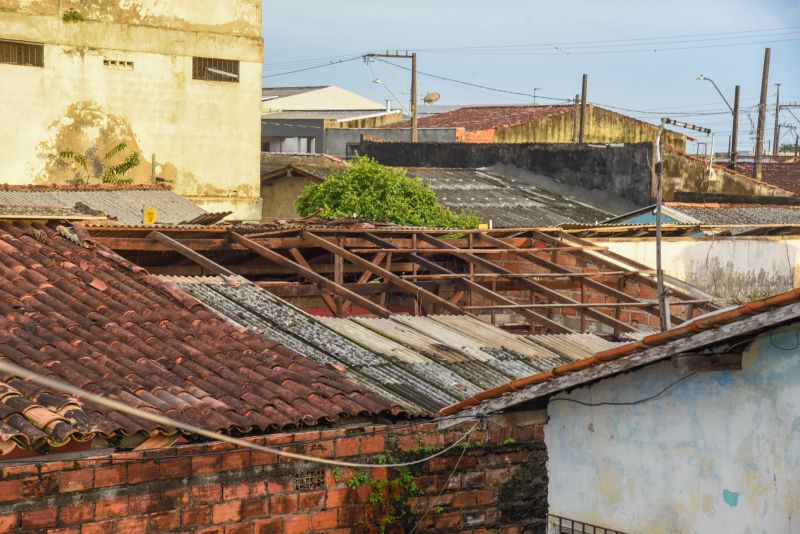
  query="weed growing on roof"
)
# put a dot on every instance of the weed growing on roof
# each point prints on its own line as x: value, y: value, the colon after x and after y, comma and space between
x: 371, y: 191
x: 72, y: 16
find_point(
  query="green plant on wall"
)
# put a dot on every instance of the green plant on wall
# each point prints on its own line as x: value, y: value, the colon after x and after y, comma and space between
x: 371, y: 191
x: 72, y: 15
x: 90, y: 167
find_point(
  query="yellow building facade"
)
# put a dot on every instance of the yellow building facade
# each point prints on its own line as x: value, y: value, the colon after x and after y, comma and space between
x: 178, y: 82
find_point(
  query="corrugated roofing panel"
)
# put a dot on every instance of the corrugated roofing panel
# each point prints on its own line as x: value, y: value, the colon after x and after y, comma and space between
x: 124, y: 204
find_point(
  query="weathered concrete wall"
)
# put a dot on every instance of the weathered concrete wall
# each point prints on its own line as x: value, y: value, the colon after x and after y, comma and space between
x: 729, y: 267
x: 237, y: 17
x: 624, y: 171
x: 336, y: 140
x: 279, y: 196
x: 688, y: 173
x: 719, y: 452
x: 203, y: 134
x: 602, y: 126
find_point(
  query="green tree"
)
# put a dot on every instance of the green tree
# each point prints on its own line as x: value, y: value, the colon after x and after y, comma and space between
x: 371, y: 191
x: 99, y: 168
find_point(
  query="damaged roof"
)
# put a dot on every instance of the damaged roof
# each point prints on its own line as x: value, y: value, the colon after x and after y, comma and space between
x: 420, y: 363
x: 124, y: 203
x: 701, y: 332
x: 83, y: 315
x: 506, y: 201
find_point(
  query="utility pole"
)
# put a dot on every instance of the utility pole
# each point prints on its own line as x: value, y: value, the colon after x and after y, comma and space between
x: 735, y: 132
x: 534, y: 94
x: 762, y: 116
x: 575, y: 119
x: 777, y: 135
x: 413, y: 58
x: 414, y: 137
x: 583, y: 107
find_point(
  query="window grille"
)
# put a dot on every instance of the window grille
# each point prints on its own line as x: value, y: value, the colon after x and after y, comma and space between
x: 27, y: 54
x: 215, y: 70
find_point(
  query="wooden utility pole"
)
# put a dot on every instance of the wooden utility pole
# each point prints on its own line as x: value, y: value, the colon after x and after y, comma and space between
x: 735, y: 131
x: 776, y: 145
x: 762, y: 116
x: 414, y: 137
x: 575, y: 112
x: 583, y: 108
x: 413, y: 58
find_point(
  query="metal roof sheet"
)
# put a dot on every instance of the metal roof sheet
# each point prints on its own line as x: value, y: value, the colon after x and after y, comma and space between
x: 421, y: 363
x: 124, y: 204
x: 505, y: 200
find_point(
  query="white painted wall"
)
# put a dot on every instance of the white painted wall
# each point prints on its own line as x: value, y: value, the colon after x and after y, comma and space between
x: 718, y: 453
x: 205, y: 135
x: 729, y: 267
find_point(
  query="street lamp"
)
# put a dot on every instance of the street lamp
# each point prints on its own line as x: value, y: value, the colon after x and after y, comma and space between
x: 379, y: 82
x: 704, y: 77
x: 734, y: 140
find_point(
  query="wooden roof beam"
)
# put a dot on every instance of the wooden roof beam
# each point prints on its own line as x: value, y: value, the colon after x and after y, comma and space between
x: 389, y: 276
x: 477, y: 288
x: 310, y: 275
x: 190, y: 254
x: 534, y: 286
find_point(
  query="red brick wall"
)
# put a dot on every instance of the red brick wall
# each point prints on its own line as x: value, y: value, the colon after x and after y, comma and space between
x: 215, y: 488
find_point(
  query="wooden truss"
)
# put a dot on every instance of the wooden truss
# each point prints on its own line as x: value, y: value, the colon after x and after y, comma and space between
x: 531, y: 274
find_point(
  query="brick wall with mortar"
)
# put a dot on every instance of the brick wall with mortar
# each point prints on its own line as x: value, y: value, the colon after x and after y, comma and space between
x: 499, y: 485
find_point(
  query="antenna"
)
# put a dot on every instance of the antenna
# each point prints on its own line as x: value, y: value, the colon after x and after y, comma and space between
x: 430, y: 98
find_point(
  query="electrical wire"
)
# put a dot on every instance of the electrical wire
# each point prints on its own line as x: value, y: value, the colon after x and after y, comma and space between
x: 441, y: 492
x: 15, y: 370
x: 631, y: 403
x: 733, y: 34
x: 462, y: 82
x: 331, y: 63
x: 107, y: 456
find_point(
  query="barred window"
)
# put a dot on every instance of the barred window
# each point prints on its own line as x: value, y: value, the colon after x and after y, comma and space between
x: 215, y: 70
x: 16, y: 53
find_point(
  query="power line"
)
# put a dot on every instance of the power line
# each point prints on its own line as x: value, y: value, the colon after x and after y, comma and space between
x: 313, y: 67
x: 575, y: 47
x: 462, y: 82
x: 16, y: 370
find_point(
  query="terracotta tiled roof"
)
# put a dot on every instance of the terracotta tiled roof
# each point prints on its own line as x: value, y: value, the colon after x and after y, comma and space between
x: 706, y: 322
x: 785, y: 175
x: 90, y: 318
x: 92, y: 187
x: 487, y: 117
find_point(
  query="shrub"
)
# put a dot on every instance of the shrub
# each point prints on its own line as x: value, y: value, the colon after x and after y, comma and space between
x: 371, y: 191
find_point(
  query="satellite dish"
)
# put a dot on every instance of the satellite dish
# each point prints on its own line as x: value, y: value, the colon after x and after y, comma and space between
x: 430, y: 98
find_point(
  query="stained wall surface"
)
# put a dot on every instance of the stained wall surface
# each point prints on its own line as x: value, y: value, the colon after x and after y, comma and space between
x: 123, y: 72
x: 741, y: 268
x: 718, y: 452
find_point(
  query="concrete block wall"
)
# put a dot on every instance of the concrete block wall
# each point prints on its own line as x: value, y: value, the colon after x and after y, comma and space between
x: 496, y: 484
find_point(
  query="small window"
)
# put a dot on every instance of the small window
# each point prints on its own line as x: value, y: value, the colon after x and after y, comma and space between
x: 215, y: 70
x: 118, y: 64
x: 27, y: 54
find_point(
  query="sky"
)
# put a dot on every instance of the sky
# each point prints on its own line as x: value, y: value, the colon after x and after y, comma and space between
x: 639, y: 54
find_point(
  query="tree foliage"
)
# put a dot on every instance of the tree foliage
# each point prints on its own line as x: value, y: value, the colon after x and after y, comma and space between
x: 371, y: 191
